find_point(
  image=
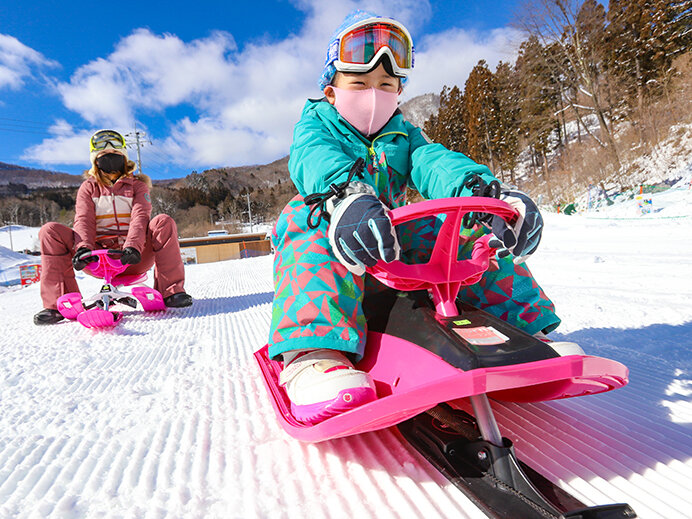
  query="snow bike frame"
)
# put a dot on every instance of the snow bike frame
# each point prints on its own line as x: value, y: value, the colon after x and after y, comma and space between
x: 421, y: 356
x: 94, y: 311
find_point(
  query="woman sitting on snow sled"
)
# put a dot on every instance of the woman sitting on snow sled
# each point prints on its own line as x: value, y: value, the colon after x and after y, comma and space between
x: 113, y: 211
x: 318, y: 326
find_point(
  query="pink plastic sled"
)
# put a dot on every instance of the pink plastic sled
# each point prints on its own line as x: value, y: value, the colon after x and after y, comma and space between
x: 409, y: 378
x: 94, y: 312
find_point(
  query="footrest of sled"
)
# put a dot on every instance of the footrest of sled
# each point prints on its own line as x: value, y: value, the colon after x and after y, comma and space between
x: 127, y: 301
x: 98, y: 318
x: 70, y: 305
x: 150, y: 299
x: 491, y: 476
x: 618, y: 511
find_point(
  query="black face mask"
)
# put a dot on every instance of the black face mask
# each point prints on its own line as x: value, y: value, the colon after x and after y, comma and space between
x: 111, y: 163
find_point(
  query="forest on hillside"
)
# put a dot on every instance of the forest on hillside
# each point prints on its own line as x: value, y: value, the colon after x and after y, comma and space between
x: 217, y: 198
x: 591, y: 89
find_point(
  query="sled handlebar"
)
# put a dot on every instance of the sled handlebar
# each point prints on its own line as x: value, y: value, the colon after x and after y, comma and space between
x: 444, y: 273
x: 107, y: 266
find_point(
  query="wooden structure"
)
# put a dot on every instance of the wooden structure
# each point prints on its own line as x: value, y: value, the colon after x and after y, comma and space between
x: 208, y: 249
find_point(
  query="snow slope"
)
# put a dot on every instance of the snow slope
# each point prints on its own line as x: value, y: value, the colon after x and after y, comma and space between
x: 19, y: 237
x: 166, y: 415
x: 16, y: 238
x: 9, y: 266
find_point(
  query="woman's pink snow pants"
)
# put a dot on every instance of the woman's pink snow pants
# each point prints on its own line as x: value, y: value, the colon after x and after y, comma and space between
x: 161, y: 250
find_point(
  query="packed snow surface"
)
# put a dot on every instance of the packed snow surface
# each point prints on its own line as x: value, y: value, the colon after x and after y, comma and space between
x: 166, y: 415
x: 16, y: 238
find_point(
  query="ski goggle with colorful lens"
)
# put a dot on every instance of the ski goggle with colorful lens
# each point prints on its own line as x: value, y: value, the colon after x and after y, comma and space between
x: 103, y: 138
x: 360, y: 46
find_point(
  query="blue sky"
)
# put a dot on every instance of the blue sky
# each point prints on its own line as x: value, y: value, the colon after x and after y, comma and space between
x: 211, y: 83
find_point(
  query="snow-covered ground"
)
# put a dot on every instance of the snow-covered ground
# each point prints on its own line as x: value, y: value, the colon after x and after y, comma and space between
x: 15, y: 238
x: 19, y: 238
x: 166, y: 415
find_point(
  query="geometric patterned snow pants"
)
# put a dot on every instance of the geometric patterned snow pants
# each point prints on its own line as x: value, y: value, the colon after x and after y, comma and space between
x: 318, y: 302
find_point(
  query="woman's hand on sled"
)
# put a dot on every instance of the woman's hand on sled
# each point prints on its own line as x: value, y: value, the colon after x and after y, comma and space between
x: 130, y: 256
x: 82, y: 258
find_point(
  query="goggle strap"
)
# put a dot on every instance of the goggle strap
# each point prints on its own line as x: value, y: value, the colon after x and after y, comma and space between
x: 332, y: 52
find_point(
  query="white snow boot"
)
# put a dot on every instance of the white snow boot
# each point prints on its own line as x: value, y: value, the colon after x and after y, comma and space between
x: 322, y: 383
x: 562, y: 348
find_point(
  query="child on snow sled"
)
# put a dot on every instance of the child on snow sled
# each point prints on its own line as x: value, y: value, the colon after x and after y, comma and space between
x: 113, y: 211
x: 318, y: 326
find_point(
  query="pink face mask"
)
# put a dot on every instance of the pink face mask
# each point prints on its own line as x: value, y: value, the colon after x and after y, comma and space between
x: 367, y: 110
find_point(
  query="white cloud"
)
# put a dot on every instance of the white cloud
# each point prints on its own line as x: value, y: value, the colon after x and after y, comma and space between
x: 65, y: 146
x: 17, y: 61
x: 246, y: 99
x: 150, y: 72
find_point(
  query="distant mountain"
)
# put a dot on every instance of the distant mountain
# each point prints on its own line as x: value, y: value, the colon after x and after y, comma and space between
x: 420, y: 108
x: 36, y: 178
x: 241, y: 177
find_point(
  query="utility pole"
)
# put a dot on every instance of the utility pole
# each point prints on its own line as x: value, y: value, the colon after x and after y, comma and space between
x: 9, y: 228
x: 139, y: 142
x: 249, y: 211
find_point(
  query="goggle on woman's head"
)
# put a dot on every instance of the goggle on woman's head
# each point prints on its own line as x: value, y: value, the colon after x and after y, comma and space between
x: 104, y: 139
x: 362, y: 45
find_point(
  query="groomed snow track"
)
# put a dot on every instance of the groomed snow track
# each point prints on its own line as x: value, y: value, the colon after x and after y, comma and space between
x: 166, y: 416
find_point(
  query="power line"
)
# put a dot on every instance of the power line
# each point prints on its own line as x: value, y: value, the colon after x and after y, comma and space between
x: 22, y: 121
x: 15, y: 130
x: 162, y: 158
x: 26, y: 127
x: 160, y: 165
x: 138, y: 139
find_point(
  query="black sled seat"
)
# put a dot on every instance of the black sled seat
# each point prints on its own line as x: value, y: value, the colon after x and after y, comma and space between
x: 514, y: 366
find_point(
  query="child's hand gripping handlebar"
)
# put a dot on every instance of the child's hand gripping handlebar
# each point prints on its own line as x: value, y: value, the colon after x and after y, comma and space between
x: 444, y: 274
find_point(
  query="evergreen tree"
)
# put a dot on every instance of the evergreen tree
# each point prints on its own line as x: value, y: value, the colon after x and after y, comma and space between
x: 676, y: 21
x: 507, y: 98
x: 643, y: 38
x: 537, y: 99
x: 446, y: 127
x: 480, y: 114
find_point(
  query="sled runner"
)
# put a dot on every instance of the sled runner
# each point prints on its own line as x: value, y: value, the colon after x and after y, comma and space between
x: 424, y: 349
x: 95, y: 311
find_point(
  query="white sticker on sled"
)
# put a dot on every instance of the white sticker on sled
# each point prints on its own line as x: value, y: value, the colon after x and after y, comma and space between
x: 481, y: 335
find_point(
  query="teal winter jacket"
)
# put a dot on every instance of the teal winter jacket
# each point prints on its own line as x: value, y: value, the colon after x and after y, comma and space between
x: 325, y: 146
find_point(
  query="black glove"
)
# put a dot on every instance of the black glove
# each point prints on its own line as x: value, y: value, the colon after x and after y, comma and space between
x: 130, y: 256
x: 522, y: 238
x: 82, y: 258
x: 360, y: 230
